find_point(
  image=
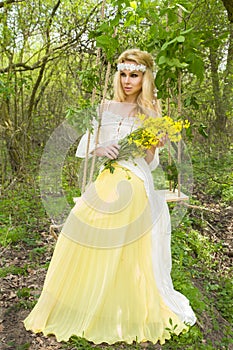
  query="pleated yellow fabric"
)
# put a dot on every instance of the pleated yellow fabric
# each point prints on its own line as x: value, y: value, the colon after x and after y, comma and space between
x: 101, y: 292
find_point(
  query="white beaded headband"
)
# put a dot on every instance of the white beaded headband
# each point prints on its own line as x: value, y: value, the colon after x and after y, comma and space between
x: 131, y: 67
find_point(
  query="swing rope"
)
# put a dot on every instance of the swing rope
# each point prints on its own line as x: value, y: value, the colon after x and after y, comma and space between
x: 179, y: 107
x: 179, y: 142
x: 108, y: 71
x: 179, y: 146
x: 93, y: 98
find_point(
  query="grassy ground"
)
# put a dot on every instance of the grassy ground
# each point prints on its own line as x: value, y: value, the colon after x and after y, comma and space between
x: 201, y: 250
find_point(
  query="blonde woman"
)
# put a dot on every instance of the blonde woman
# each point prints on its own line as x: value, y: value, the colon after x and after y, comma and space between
x: 109, y: 277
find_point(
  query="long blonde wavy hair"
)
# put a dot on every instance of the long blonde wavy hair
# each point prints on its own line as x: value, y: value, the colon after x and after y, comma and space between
x: 146, y: 99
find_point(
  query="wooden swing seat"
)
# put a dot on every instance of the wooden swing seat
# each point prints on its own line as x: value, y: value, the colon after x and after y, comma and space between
x: 174, y: 196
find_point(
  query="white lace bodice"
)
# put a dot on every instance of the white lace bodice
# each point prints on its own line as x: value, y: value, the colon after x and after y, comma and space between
x: 113, y: 128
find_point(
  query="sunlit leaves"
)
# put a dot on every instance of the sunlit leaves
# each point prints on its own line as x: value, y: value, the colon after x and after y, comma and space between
x: 109, y: 44
x: 153, y: 26
x: 178, y: 39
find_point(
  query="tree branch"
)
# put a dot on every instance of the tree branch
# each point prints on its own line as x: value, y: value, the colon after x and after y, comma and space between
x: 42, y: 68
x: 8, y: 2
x: 23, y: 66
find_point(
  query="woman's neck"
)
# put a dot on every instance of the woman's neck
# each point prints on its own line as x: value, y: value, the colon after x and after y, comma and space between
x: 131, y: 99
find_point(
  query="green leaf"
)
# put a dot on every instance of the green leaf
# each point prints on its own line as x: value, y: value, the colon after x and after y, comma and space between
x: 180, y: 38
x: 133, y: 4
x: 159, y: 78
x: 103, y: 27
x: 202, y: 130
x: 191, y: 101
x: 165, y: 45
x: 174, y: 62
x: 189, y: 133
x: 196, y: 66
x: 171, y: 16
x: 182, y: 8
x: 162, y: 59
x: 186, y: 31
x: 103, y: 41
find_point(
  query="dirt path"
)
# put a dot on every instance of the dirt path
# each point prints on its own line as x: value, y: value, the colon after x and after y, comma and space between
x: 17, y: 295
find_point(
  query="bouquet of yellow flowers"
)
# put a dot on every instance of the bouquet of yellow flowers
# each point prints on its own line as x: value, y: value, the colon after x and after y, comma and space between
x: 145, y: 137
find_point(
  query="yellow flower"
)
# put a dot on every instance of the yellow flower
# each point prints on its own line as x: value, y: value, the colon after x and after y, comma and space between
x: 162, y: 126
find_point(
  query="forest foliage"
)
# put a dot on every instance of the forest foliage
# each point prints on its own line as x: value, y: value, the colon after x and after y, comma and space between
x: 48, y: 64
x: 54, y: 57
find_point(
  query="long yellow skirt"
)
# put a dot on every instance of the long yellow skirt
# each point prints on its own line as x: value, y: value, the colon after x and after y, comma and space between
x: 100, y: 283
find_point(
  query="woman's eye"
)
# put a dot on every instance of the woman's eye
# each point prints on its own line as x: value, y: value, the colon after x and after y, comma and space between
x: 123, y: 74
x: 134, y: 75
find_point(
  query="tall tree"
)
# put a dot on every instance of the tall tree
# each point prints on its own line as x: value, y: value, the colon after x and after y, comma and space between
x: 229, y: 7
x: 35, y: 37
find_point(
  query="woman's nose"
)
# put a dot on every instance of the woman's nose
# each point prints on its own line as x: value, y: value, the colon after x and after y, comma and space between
x: 127, y: 79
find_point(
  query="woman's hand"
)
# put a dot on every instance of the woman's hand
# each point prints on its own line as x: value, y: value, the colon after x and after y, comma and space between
x: 162, y: 141
x: 151, y: 151
x: 110, y: 151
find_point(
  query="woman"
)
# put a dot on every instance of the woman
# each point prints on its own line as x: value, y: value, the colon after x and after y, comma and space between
x: 109, y: 278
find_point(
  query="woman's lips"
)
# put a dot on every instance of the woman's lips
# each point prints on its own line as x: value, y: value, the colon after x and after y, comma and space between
x: 127, y: 88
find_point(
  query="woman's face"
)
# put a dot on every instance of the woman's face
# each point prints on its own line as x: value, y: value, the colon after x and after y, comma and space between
x: 131, y: 82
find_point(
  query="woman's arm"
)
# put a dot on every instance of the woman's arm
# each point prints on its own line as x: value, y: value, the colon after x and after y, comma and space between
x: 150, y: 154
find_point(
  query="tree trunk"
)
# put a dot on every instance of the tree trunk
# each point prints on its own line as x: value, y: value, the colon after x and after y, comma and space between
x: 228, y: 4
x: 227, y: 89
x: 220, y: 109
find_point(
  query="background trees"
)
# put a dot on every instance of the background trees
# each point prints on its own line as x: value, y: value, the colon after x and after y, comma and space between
x: 48, y: 62
x: 38, y: 39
